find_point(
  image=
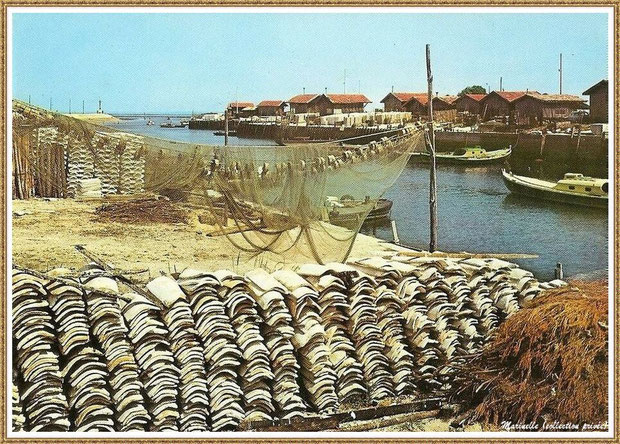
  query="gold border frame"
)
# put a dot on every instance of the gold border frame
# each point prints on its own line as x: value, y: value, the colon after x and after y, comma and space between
x: 615, y: 4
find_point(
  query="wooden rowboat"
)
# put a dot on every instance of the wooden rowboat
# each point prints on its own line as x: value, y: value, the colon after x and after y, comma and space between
x: 467, y: 156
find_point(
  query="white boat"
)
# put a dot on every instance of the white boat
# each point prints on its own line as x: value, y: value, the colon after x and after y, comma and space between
x: 574, y: 188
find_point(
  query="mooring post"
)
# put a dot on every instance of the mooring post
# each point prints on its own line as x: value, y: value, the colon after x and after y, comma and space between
x: 395, y: 233
x: 225, y: 127
x: 431, y: 148
x: 559, y: 271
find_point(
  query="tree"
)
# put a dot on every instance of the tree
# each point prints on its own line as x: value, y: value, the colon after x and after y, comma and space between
x: 474, y: 89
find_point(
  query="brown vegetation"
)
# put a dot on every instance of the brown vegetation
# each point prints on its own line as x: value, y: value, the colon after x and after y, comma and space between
x: 140, y: 211
x: 546, y: 363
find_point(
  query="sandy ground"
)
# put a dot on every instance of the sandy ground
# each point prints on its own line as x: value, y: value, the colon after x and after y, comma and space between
x: 45, y: 233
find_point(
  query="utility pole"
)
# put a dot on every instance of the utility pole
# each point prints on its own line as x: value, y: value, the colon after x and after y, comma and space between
x: 432, y: 200
x: 560, y: 73
x: 501, y: 88
x: 69, y: 106
x: 83, y: 107
x: 28, y: 99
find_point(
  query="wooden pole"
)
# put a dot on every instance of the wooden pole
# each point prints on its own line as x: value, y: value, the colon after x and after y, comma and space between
x: 431, y: 148
x: 226, y: 128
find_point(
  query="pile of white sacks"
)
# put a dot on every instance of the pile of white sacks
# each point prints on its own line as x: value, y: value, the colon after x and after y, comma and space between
x: 213, y: 350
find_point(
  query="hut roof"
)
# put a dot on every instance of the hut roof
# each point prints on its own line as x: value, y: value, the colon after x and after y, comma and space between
x: 403, y: 97
x: 303, y: 98
x: 421, y: 98
x: 554, y: 98
x: 270, y: 103
x: 448, y: 99
x: 240, y: 105
x: 347, y: 98
x: 508, y: 96
x: 476, y: 97
x: 602, y: 84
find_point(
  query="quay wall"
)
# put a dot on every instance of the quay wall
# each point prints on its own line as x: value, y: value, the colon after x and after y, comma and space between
x: 587, y: 154
x: 293, y: 133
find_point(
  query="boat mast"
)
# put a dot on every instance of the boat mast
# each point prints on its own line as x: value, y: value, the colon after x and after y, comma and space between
x: 432, y: 199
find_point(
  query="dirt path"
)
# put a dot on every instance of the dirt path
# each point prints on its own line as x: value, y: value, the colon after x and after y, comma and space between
x: 44, y: 234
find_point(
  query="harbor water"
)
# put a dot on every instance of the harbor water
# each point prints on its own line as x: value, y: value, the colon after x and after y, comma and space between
x: 477, y: 214
x: 139, y: 126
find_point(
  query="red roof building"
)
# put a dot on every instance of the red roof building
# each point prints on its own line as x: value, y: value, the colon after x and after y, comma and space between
x: 469, y: 103
x: 271, y: 108
x: 395, y: 101
x: 324, y: 104
x: 500, y: 103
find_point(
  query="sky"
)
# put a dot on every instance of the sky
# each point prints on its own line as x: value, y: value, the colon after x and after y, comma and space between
x: 171, y: 62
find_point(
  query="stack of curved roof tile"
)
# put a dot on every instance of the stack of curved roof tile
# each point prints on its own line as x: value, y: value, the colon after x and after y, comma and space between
x: 214, y: 349
x: 107, y: 326
x: 278, y: 332
x: 188, y: 354
x: 318, y: 375
x: 333, y: 311
x: 44, y: 402
x: 221, y: 354
x: 85, y: 368
x: 158, y: 372
x: 255, y: 370
x: 17, y: 409
x: 362, y: 325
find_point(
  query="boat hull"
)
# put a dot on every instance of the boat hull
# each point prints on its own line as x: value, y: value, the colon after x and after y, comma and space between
x: 380, y: 212
x: 554, y: 196
x: 444, y: 159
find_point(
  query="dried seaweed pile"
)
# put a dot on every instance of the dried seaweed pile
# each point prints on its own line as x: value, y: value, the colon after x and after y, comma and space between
x: 548, y: 362
x: 140, y: 211
x: 214, y: 351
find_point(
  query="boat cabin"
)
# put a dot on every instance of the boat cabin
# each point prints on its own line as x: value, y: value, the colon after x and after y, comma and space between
x: 578, y: 183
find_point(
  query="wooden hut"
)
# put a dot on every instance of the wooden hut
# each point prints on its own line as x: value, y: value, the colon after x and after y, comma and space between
x: 599, y: 101
x: 499, y: 103
x: 417, y: 105
x: 236, y: 109
x: 395, y: 101
x: 271, y: 108
x: 534, y: 108
x: 301, y: 103
x: 469, y: 103
x: 442, y: 103
x: 326, y: 104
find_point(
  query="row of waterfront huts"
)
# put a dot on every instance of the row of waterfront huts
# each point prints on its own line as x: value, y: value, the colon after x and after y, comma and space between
x: 526, y: 106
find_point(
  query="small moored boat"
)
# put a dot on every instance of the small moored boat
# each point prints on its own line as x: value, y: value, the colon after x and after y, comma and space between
x: 467, y: 156
x: 348, y: 212
x: 574, y: 188
x: 223, y: 133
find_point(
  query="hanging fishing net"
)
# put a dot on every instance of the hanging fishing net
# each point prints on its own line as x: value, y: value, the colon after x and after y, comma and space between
x: 307, y: 200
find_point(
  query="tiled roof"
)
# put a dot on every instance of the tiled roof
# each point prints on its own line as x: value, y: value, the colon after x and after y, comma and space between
x: 422, y: 98
x: 554, y: 97
x: 509, y: 96
x: 240, y: 105
x: 348, y: 98
x: 270, y: 103
x: 476, y: 97
x: 447, y: 99
x: 302, y: 98
x: 404, y: 97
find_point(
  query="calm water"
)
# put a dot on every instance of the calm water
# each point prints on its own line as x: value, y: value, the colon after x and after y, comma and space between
x: 139, y: 126
x: 477, y: 214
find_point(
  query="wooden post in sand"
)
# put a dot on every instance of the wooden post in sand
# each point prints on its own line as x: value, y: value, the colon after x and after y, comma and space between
x: 431, y: 148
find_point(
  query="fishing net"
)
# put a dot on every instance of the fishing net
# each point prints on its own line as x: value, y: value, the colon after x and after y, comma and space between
x: 307, y: 200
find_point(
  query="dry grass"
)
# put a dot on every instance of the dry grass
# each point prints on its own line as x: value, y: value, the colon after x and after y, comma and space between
x: 141, y: 211
x: 547, y: 362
